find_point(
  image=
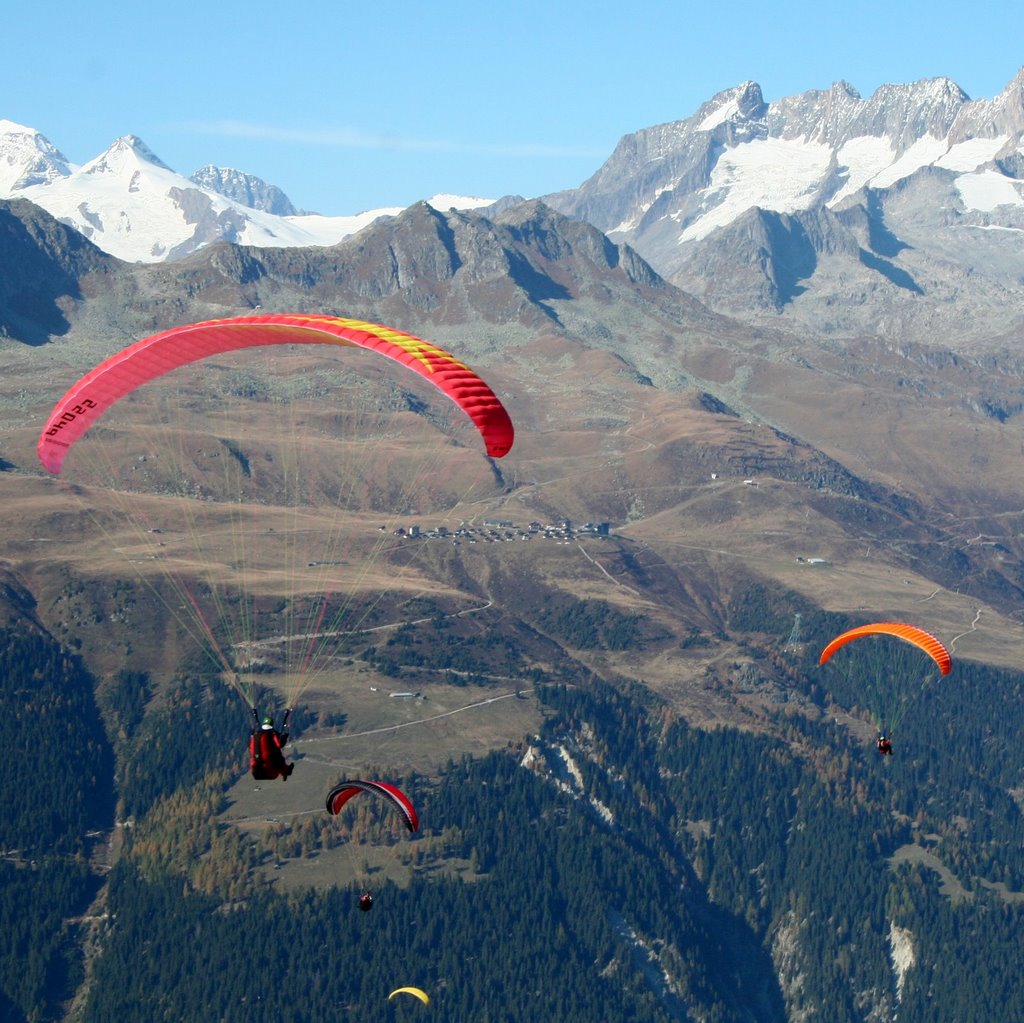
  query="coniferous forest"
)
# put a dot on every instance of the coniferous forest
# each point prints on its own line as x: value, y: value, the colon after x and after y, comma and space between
x: 676, y: 873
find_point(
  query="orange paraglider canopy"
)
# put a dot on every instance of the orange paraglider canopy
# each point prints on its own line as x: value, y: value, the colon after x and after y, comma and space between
x: 911, y: 633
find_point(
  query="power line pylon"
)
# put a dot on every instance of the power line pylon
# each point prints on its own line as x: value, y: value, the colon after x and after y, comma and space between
x: 794, y: 636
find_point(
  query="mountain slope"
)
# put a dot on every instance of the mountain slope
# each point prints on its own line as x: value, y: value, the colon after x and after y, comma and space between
x: 636, y: 405
x: 42, y: 267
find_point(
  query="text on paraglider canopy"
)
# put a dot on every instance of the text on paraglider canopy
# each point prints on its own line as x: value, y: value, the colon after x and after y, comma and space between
x: 70, y: 415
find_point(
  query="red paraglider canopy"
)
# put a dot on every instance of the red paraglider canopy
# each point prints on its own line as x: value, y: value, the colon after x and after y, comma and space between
x: 345, y: 790
x: 153, y: 356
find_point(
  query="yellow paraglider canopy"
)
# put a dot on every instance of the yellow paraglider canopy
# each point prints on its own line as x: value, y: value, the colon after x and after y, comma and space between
x: 414, y: 991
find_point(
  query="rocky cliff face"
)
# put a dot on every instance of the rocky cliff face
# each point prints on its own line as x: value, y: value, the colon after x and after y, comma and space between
x: 246, y: 189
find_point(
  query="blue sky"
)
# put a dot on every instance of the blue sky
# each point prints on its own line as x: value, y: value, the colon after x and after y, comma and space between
x: 349, y: 107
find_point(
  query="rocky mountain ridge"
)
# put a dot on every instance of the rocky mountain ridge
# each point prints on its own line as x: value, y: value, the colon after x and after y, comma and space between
x: 840, y: 214
x: 899, y: 215
x: 668, y: 171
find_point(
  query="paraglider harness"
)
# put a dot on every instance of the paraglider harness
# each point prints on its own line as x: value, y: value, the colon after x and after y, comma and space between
x: 261, y: 769
x: 883, y: 745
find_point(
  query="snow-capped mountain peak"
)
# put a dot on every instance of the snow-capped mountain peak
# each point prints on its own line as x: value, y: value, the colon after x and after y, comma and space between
x: 671, y: 186
x: 1002, y: 115
x: 28, y: 158
x: 733, y: 105
x: 246, y: 189
x: 131, y: 204
x: 125, y: 155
